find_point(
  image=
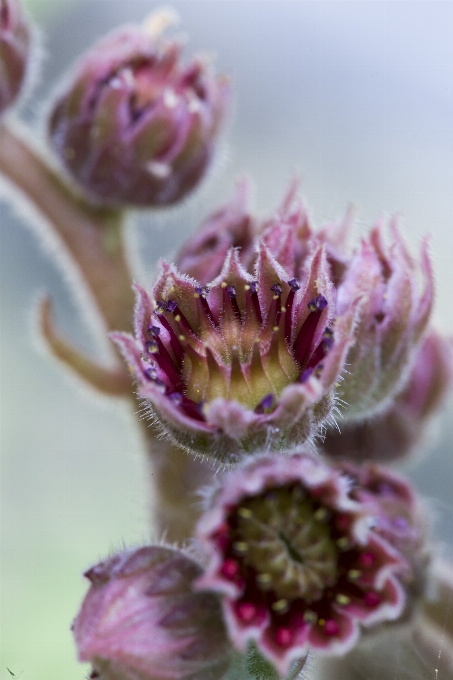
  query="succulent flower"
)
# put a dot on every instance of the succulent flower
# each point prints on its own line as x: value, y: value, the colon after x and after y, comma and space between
x: 296, y: 559
x: 203, y: 254
x: 394, y: 315
x: 246, y: 362
x: 403, y: 429
x: 14, y: 51
x: 135, y: 126
x: 398, y: 516
x: 141, y: 620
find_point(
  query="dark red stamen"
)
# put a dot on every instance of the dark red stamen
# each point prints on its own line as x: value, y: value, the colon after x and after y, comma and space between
x: 231, y: 293
x: 304, y: 338
x: 295, y: 286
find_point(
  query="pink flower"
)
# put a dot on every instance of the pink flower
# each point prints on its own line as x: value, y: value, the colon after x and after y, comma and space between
x: 14, y: 51
x: 398, y: 298
x: 404, y: 428
x: 135, y: 126
x: 246, y: 362
x: 296, y: 559
x: 140, y: 620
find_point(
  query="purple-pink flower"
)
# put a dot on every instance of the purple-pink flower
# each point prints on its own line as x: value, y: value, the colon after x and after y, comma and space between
x: 245, y: 362
x: 141, y: 620
x: 136, y: 126
x: 297, y: 560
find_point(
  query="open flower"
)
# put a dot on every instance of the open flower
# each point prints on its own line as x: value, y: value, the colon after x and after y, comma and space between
x: 246, y: 362
x: 135, y: 126
x: 404, y: 428
x: 296, y: 559
x: 141, y: 620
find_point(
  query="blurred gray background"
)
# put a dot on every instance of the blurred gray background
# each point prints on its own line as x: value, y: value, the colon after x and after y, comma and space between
x: 357, y: 98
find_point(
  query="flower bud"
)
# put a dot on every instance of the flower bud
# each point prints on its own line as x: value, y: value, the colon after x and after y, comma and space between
x: 14, y: 51
x: 245, y: 362
x: 397, y: 299
x: 140, y: 620
x: 135, y: 126
x: 404, y: 428
x: 296, y: 559
x: 203, y: 255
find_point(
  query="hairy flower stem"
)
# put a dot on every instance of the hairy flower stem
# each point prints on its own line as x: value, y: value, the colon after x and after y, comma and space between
x: 92, y: 236
x: 91, y: 241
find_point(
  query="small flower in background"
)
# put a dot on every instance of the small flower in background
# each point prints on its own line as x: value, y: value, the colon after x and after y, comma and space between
x: 395, y: 312
x: 140, y: 620
x: 297, y: 560
x: 406, y: 426
x: 246, y: 362
x: 14, y: 51
x: 135, y: 126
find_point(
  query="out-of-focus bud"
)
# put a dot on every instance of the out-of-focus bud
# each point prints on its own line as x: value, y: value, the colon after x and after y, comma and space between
x: 244, y: 363
x: 297, y: 560
x: 14, y: 51
x: 135, y: 126
x: 140, y: 620
x: 397, y: 301
x: 232, y: 226
x: 404, y: 428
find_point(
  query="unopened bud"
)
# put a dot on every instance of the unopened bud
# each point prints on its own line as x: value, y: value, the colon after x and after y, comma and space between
x: 140, y: 620
x: 135, y: 126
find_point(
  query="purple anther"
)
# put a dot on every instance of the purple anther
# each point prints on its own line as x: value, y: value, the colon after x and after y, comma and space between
x: 231, y: 290
x: 253, y: 286
x: 277, y: 289
x: 294, y: 284
x: 176, y: 398
x: 151, y: 373
x: 171, y: 306
x: 160, y: 307
x: 152, y: 347
x: 202, y: 291
x: 266, y: 404
x: 319, y: 302
x: 305, y: 375
x: 154, y: 330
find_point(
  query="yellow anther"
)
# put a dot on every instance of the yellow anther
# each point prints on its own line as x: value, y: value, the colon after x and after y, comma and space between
x: 343, y: 543
x: 264, y: 581
x: 343, y: 599
x: 353, y: 574
x: 223, y: 284
x: 246, y: 513
x: 196, y: 295
x: 310, y: 617
x: 177, y: 318
x: 246, y: 287
x: 281, y: 606
x: 181, y: 338
x: 283, y: 309
x: 275, y: 329
x: 322, y: 622
x: 240, y: 547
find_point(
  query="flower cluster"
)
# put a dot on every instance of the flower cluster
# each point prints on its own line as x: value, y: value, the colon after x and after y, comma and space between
x: 261, y: 338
